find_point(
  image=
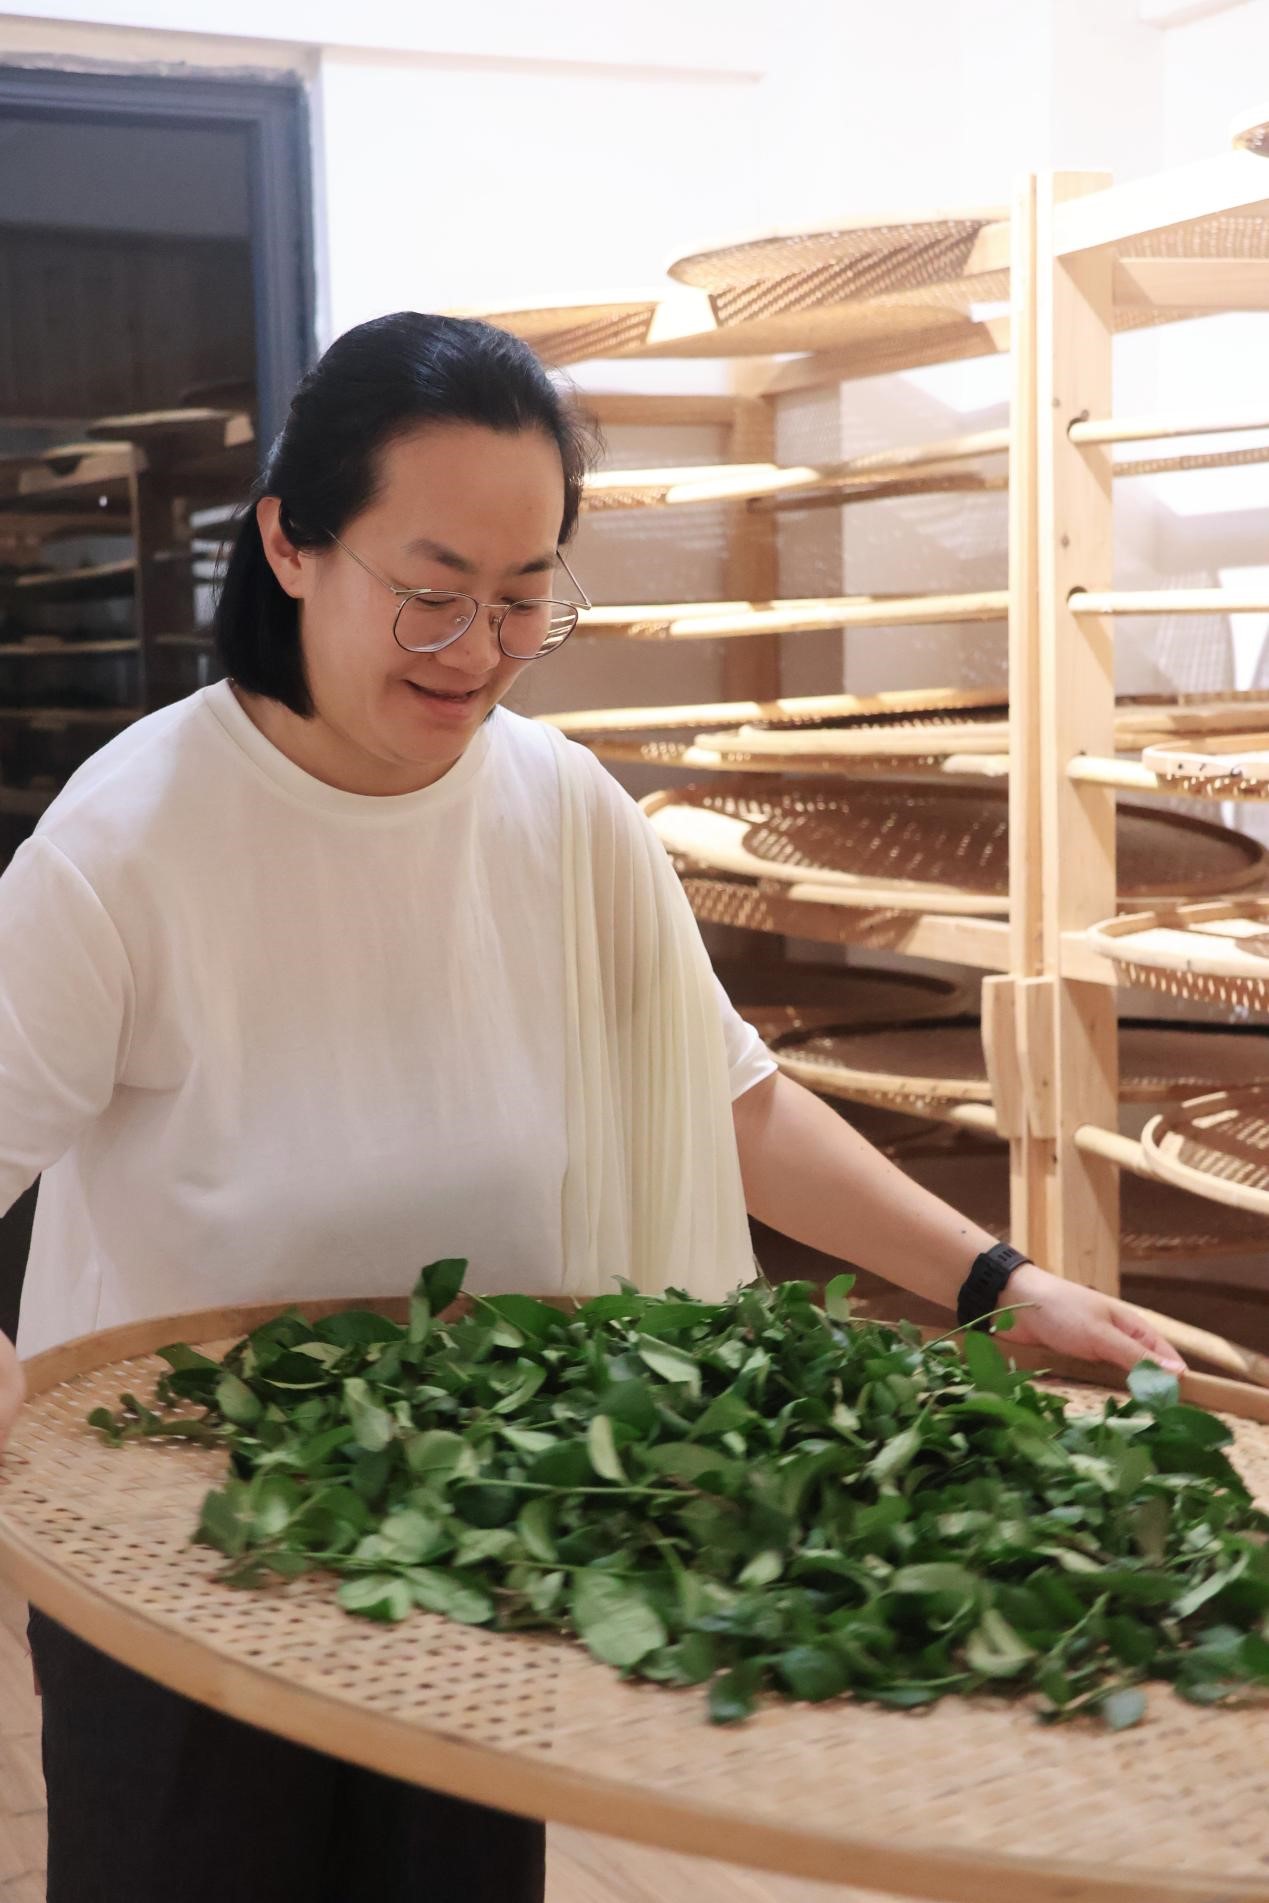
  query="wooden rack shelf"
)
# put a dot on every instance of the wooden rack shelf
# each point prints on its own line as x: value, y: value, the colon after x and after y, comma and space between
x: 106, y: 581
x: 136, y: 476
x: 54, y: 647
x: 711, y: 621
x: 933, y: 466
x: 1077, y: 260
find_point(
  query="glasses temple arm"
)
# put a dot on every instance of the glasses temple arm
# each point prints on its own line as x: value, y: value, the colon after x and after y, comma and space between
x: 586, y: 600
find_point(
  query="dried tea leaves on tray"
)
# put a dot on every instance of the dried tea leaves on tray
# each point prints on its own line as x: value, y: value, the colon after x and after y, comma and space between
x: 754, y: 1495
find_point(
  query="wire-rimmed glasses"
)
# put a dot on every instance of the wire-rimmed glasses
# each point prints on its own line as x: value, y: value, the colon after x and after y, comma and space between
x: 430, y: 619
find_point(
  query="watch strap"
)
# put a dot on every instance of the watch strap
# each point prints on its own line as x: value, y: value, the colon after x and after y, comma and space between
x: 980, y: 1292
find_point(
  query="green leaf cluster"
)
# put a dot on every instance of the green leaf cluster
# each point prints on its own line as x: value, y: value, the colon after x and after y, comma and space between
x: 761, y: 1494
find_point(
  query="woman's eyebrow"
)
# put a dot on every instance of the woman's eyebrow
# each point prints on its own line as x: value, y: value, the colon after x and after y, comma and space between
x: 437, y: 552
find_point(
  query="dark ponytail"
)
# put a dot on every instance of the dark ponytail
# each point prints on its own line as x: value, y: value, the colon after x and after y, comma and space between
x: 374, y: 384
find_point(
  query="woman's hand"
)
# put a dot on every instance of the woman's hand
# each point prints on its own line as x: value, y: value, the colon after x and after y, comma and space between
x: 1078, y: 1321
x: 12, y: 1389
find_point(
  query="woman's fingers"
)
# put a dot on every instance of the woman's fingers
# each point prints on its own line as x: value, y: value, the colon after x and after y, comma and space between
x: 1146, y: 1336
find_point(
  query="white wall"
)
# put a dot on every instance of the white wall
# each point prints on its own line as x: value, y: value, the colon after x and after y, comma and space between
x: 494, y: 154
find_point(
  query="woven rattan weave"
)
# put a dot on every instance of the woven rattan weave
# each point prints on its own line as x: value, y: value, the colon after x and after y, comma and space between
x: 948, y: 847
x: 1216, y: 1144
x: 1216, y: 953
x: 930, y: 1066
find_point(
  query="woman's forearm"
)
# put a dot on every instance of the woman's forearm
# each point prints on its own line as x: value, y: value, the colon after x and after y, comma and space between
x: 808, y: 1174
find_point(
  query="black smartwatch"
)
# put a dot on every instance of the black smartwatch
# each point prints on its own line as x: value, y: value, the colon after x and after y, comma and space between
x: 981, y: 1290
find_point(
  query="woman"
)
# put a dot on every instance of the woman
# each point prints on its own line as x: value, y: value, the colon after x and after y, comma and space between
x: 335, y: 967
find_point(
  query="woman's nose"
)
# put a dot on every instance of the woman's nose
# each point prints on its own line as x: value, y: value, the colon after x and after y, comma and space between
x: 476, y: 649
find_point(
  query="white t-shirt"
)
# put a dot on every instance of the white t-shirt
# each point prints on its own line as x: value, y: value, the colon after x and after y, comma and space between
x: 268, y: 1040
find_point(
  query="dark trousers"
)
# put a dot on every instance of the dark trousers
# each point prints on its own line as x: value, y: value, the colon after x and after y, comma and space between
x: 155, y: 1799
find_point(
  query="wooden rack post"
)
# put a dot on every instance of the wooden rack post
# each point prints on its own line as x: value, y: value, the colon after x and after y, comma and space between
x: 752, y: 671
x: 1073, y: 709
x: 1006, y: 1001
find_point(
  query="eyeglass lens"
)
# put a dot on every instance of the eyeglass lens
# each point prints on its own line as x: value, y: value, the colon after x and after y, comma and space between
x: 526, y: 629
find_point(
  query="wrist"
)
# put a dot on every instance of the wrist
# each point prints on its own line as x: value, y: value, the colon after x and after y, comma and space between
x: 983, y: 1291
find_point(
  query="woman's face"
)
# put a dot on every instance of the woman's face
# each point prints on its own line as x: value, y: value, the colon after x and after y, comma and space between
x: 458, y: 507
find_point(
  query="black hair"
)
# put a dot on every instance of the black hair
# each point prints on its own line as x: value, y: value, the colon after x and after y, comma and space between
x: 373, y: 385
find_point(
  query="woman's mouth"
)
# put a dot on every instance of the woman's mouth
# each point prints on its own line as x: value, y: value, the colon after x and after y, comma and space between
x: 444, y: 701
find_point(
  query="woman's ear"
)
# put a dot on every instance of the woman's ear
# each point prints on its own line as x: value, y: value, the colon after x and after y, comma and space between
x: 286, y: 561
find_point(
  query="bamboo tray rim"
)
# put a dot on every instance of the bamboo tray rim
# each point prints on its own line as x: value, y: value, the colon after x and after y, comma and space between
x: 900, y: 229
x: 930, y: 895
x: 790, y: 1049
x: 511, y: 1778
x: 1126, y: 939
x: 1164, y: 1138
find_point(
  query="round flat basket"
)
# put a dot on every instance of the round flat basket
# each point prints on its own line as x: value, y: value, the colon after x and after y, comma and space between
x: 572, y: 333
x: 792, y: 997
x: 968, y: 1800
x: 934, y: 1066
x: 1225, y: 766
x: 942, y: 849
x: 1215, y: 953
x: 1216, y: 1145
x: 872, y: 258
x: 1159, y: 1222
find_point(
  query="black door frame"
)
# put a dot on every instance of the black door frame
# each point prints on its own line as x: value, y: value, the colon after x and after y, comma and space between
x: 274, y: 114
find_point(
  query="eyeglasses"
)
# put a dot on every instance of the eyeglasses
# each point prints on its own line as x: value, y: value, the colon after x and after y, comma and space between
x: 429, y: 619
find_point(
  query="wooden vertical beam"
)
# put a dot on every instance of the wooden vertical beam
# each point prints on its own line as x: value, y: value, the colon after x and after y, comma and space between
x: 164, y: 587
x: 1076, y: 706
x: 1030, y: 1160
x: 751, y: 669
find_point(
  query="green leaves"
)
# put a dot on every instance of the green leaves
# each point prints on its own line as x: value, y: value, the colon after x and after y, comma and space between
x: 671, y: 1363
x: 377, y: 1596
x: 613, y: 1619
x: 759, y: 1495
x: 237, y: 1402
x: 371, y: 1424
x: 602, y: 1449
x: 996, y: 1650
x: 1154, y: 1389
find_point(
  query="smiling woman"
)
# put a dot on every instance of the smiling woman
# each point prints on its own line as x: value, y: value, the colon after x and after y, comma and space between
x: 337, y: 966
x: 428, y: 459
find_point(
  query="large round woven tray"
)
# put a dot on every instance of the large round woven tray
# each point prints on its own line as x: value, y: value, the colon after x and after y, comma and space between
x: 1158, y: 1222
x: 932, y: 1067
x: 791, y: 997
x: 867, y: 258
x: 942, y: 849
x: 1216, y: 1145
x: 1225, y: 766
x: 967, y: 1802
x: 1140, y: 720
x: 1216, y: 953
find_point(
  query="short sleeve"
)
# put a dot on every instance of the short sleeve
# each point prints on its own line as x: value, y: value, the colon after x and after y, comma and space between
x: 66, y: 1004
x: 748, y: 1059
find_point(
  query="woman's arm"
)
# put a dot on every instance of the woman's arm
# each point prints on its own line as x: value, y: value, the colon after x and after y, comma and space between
x: 66, y: 1003
x: 808, y: 1174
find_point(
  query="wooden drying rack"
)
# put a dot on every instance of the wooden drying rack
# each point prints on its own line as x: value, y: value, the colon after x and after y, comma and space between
x: 1078, y: 259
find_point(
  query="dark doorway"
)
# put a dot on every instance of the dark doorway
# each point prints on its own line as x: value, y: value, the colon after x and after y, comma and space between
x: 133, y: 156
x: 156, y: 311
